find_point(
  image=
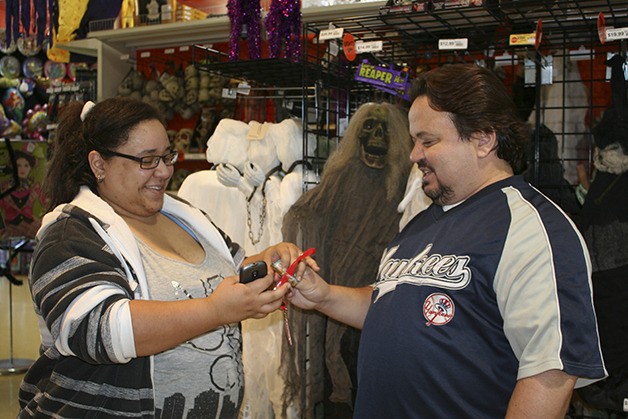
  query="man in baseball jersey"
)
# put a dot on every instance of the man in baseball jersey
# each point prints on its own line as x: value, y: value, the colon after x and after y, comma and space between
x: 482, y: 306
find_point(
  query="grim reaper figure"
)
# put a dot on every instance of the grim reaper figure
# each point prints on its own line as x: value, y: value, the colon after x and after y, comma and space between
x: 349, y: 218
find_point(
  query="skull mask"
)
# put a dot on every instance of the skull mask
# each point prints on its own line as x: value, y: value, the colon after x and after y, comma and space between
x: 374, y: 139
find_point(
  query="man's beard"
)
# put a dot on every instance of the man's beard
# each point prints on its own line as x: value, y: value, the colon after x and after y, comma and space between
x: 442, y: 195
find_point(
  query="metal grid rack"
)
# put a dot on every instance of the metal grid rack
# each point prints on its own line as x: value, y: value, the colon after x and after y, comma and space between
x: 329, y: 93
x: 406, y: 33
x: 410, y: 33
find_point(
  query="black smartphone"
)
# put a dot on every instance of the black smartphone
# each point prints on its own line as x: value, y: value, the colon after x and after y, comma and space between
x: 252, y: 271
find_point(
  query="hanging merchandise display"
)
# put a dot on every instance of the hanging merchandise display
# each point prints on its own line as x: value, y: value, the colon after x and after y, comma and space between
x: 244, y: 17
x: 18, y: 15
x: 35, y: 24
x: 10, y: 67
x: 35, y: 123
x: 283, y: 28
x: 13, y: 103
x: 33, y: 67
x: 28, y: 46
x: 604, y: 224
x: 35, y: 78
x: 54, y: 70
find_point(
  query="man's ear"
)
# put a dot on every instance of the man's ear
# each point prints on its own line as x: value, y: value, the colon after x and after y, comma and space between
x: 486, y: 142
x: 97, y: 163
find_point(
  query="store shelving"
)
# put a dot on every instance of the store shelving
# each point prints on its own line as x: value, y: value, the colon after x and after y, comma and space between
x: 115, y: 48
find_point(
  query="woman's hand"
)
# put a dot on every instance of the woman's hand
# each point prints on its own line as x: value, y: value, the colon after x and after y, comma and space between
x: 233, y: 301
x: 287, y: 253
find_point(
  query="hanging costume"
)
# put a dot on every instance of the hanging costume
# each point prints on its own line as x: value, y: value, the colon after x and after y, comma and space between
x: 550, y: 178
x: 414, y: 199
x: 225, y: 206
x: 244, y: 192
x: 564, y: 109
x: 244, y: 19
x: 349, y: 218
x: 604, y: 223
x: 283, y: 28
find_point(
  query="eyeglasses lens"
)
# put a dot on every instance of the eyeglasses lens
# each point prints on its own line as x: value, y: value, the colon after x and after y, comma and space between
x: 150, y: 162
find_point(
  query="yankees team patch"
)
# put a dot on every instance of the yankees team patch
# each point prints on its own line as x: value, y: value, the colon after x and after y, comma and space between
x: 438, y: 309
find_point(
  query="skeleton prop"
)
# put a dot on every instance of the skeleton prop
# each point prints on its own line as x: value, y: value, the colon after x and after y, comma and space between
x: 349, y: 218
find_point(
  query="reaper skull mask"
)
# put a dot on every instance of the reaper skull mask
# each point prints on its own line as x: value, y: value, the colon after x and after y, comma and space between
x: 374, y: 139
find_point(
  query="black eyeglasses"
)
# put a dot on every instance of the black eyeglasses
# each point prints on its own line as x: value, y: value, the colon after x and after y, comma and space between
x: 147, y: 162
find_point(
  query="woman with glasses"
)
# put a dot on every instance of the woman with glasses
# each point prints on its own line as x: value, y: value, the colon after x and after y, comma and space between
x: 137, y: 292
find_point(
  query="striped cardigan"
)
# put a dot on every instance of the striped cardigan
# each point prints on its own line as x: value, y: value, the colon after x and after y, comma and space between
x: 85, y: 269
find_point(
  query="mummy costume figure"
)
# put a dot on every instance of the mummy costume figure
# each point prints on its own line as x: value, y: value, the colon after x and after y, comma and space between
x: 258, y: 174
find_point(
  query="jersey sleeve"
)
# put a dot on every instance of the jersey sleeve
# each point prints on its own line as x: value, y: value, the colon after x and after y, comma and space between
x: 544, y: 293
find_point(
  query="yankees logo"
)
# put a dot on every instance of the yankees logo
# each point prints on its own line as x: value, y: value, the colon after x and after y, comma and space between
x: 442, y: 271
x: 438, y: 309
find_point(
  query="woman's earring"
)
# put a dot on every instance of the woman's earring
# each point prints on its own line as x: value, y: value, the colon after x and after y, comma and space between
x: 100, y: 178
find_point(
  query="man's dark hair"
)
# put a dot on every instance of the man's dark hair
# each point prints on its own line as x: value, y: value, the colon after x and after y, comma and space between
x: 477, y: 101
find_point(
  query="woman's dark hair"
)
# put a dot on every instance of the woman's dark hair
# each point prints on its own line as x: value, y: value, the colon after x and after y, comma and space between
x: 105, y: 127
x: 478, y: 102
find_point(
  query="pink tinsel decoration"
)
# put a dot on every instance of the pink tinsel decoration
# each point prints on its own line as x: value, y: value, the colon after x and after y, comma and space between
x: 283, y: 27
x: 244, y: 16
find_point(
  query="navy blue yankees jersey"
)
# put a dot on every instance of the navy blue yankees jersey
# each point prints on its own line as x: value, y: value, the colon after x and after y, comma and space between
x: 470, y: 300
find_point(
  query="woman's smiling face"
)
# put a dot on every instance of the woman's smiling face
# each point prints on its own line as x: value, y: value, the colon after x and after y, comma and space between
x: 129, y: 189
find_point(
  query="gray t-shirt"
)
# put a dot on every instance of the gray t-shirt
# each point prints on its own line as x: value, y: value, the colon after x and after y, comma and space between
x: 203, y: 377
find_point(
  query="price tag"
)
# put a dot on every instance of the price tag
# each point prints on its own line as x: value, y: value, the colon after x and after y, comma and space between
x: 334, y: 33
x: 450, y: 44
x: 243, y: 89
x: 229, y: 93
x: 523, y: 39
x: 372, y: 46
x: 334, y: 49
x: 343, y: 124
x: 613, y: 34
